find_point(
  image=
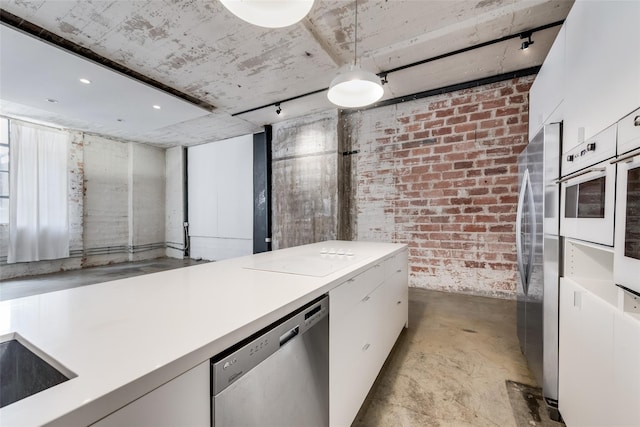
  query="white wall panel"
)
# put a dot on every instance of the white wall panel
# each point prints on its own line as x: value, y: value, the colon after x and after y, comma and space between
x: 220, y: 185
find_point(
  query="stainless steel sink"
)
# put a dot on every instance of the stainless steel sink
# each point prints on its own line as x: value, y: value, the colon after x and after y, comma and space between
x: 24, y: 370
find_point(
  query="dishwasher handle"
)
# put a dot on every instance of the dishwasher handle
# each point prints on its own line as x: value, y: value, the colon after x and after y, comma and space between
x: 289, y: 335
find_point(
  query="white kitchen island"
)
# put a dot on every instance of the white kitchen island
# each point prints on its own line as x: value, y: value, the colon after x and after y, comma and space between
x: 132, y: 340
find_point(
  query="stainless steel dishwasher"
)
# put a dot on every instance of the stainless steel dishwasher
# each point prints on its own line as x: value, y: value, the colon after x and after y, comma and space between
x: 278, y: 377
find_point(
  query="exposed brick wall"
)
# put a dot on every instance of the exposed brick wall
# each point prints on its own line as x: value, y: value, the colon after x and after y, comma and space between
x: 441, y: 175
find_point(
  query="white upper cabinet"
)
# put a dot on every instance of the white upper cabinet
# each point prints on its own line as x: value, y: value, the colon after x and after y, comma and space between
x: 547, y: 91
x: 602, y: 66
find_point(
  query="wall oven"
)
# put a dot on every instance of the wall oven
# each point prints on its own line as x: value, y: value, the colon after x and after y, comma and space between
x: 587, y: 204
x: 626, y: 264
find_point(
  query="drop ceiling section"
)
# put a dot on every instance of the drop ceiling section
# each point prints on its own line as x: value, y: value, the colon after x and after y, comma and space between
x: 200, y: 49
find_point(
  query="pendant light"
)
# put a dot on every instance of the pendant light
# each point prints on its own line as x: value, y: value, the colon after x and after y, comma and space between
x: 269, y: 13
x: 355, y: 87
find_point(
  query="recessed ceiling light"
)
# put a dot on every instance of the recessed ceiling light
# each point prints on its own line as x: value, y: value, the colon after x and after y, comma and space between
x: 157, y: 107
x: 51, y: 100
x: 85, y: 81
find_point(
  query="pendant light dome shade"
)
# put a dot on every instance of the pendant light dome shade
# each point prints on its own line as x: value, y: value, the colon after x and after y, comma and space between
x: 355, y: 88
x: 269, y: 13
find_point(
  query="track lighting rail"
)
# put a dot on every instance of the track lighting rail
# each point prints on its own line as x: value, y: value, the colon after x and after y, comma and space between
x: 383, y: 74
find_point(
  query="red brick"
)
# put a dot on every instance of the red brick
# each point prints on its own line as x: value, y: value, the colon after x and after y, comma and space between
x: 413, y: 127
x: 456, y: 120
x: 506, y: 91
x: 451, y: 227
x: 442, y: 131
x: 488, y: 200
x: 443, y: 149
x: 511, y: 111
x: 441, y: 166
x: 474, y: 228
x: 472, y: 108
x: 496, y: 103
x: 480, y: 116
x: 464, y: 127
x: 447, y: 139
x: 454, y: 156
x: 479, y: 191
x: 461, y: 100
x: 442, y: 184
x: 445, y: 113
x: 422, y: 116
x: 518, y: 129
x: 462, y: 165
x: 486, y: 218
x: 473, y: 209
x: 490, y: 124
x: 496, y: 171
x: 449, y: 175
x: 433, y: 123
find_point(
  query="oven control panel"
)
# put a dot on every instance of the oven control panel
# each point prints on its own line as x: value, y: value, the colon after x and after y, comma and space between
x: 629, y: 133
x: 594, y: 150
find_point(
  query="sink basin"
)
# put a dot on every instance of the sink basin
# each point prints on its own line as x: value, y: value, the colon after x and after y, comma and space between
x: 24, y: 371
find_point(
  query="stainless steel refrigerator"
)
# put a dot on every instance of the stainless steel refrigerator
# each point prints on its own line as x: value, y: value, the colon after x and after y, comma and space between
x: 539, y: 250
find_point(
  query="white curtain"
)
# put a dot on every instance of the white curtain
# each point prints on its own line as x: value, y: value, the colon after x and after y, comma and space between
x: 38, y: 219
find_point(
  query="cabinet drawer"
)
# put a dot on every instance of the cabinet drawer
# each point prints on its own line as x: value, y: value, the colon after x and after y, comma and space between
x: 396, y: 264
x: 394, y: 315
x: 354, y: 355
x: 348, y: 294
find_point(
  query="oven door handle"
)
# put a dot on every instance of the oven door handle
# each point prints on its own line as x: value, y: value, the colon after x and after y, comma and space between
x: 627, y: 157
x: 580, y: 173
x: 525, y: 272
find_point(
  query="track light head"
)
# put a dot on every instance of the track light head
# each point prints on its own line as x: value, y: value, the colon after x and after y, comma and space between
x: 526, y: 43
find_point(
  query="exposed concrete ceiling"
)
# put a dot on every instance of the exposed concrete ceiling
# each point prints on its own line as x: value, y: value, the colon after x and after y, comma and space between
x: 198, y: 48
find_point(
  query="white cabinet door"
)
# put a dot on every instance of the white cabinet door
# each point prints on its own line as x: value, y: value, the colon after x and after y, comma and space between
x: 367, y: 315
x: 547, y: 91
x: 597, y: 377
x: 597, y: 351
x: 183, y: 401
x: 602, y: 67
x: 626, y: 375
x: 570, y: 360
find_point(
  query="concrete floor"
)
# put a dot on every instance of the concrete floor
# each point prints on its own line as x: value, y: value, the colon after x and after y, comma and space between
x: 447, y: 369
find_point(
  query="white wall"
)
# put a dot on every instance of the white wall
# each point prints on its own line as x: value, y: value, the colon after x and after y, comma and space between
x: 220, y: 176
x: 146, y: 202
x: 174, y: 206
x: 106, y: 201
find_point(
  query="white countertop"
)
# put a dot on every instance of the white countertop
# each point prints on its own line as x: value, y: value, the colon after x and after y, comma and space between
x: 126, y: 337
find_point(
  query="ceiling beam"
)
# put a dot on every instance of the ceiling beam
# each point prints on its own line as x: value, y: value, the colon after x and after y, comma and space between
x: 324, y: 45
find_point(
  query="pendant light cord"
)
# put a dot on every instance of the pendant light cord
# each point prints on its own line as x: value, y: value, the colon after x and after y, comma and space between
x: 355, y: 42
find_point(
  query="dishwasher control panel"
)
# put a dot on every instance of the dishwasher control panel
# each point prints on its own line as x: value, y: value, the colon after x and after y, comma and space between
x: 232, y: 364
